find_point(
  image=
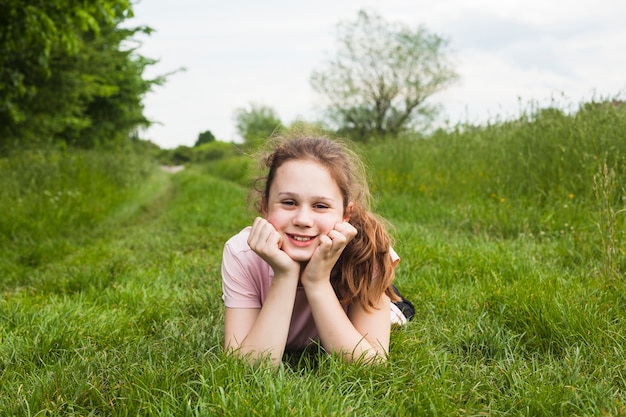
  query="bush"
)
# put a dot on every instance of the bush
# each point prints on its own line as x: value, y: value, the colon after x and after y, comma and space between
x: 235, y: 168
x: 213, y: 151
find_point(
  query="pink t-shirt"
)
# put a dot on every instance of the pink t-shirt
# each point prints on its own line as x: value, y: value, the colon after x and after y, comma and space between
x: 246, y: 280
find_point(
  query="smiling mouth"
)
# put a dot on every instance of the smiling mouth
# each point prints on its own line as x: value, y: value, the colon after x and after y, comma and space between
x: 301, y: 238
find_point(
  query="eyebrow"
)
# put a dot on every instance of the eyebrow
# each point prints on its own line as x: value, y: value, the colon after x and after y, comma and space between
x: 288, y: 194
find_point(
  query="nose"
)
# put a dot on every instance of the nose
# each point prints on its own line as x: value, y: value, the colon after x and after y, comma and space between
x: 303, y: 217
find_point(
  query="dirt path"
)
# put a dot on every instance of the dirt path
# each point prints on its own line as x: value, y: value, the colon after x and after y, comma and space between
x: 173, y: 169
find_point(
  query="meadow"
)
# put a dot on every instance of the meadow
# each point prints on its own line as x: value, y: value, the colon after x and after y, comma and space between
x: 513, y: 245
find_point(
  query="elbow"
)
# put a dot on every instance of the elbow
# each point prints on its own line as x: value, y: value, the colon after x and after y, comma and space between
x: 365, y: 355
x: 375, y: 357
x: 254, y: 357
x: 365, y: 358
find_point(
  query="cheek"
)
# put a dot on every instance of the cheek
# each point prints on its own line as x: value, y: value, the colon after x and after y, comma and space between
x: 274, y: 218
x: 329, y: 223
x: 269, y: 217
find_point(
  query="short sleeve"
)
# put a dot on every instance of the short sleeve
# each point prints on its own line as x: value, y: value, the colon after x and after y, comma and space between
x: 395, y: 258
x: 242, y: 277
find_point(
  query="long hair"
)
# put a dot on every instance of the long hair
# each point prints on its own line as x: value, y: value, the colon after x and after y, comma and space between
x: 364, y: 270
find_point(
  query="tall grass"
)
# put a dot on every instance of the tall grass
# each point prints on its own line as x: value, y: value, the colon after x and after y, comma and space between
x: 534, y: 177
x: 521, y: 306
x: 51, y: 199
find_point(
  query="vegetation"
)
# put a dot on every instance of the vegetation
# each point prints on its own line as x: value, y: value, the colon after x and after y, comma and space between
x: 381, y: 77
x: 512, y: 240
x: 69, y: 73
x: 256, y: 123
x: 54, y: 200
x: 204, y: 137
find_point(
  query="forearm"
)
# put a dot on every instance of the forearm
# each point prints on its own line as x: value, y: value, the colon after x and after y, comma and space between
x: 337, y: 333
x: 267, y: 336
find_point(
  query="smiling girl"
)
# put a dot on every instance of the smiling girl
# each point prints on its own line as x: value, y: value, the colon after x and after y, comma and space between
x: 317, y: 267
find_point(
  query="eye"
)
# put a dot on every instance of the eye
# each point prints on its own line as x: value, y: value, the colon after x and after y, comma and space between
x: 321, y: 206
x: 288, y: 203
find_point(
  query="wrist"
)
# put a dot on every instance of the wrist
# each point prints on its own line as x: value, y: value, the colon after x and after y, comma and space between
x: 317, y: 287
x: 285, y: 276
x: 286, y: 269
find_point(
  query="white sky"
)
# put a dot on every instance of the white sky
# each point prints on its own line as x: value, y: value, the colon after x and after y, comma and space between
x: 508, y: 53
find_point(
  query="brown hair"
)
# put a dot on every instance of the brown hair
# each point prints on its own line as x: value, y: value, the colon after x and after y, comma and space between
x: 365, y: 269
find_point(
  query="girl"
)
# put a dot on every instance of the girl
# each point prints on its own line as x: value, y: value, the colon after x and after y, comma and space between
x: 317, y: 267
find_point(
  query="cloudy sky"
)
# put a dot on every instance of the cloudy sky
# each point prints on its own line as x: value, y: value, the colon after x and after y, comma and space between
x: 509, y: 53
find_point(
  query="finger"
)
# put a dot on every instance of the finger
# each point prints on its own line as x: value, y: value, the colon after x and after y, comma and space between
x: 326, y: 242
x: 263, y: 235
x: 269, y: 235
x: 337, y: 237
x: 346, y: 229
x: 254, y: 232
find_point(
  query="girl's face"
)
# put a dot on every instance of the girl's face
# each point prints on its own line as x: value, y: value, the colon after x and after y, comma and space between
x: 304, y: 203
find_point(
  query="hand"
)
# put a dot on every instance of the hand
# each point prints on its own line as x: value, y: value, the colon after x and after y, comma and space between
x: 327, y: 253
x: 265, y: 240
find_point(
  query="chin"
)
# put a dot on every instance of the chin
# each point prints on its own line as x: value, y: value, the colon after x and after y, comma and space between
x: 300, y: 256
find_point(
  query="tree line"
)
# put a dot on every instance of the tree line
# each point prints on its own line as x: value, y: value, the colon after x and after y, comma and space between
x: 69, y: 73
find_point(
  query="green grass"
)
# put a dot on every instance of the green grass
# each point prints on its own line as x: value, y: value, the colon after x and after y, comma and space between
x: 521, y: 303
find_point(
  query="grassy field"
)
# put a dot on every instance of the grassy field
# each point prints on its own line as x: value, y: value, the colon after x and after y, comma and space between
x: 512, y: 238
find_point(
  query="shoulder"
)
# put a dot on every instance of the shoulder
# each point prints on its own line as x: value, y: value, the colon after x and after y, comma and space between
x: 245, y: 276
x: 238, y: 254
x: 239, y: 242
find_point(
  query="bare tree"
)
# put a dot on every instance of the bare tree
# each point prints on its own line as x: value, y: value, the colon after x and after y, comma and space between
x: 381, y: 76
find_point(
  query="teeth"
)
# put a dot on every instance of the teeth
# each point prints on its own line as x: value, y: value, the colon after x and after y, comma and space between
x: 301, y: 238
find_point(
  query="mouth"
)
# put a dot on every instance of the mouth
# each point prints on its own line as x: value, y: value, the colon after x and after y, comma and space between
x: 300, y: 238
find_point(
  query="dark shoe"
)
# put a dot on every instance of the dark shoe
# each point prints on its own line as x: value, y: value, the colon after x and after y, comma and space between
x: 405, y: 306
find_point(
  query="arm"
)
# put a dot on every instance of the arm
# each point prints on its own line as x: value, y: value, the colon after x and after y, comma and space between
x: 258, y: 333
x: 360, y: 334
x: 262, y: 332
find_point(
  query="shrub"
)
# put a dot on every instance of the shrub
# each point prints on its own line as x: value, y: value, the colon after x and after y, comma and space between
x: 213, y: 151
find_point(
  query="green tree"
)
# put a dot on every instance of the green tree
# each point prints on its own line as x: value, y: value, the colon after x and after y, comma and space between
x: 381, y: 76
x: 204, y: 137
x: 114, y: 87
x: 67, y: 73
x: 256, y: 123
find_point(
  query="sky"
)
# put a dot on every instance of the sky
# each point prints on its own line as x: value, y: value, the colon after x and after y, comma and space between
x: 510, y: 55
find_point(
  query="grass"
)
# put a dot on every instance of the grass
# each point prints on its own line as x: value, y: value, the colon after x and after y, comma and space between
x: 521, y: 303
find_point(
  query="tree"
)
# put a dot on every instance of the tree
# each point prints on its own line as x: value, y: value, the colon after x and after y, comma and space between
x: 381, y: 76
x: 204, y: 137
x: 256, y: 124
x: 67, y: 72
x: 113, y: 89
